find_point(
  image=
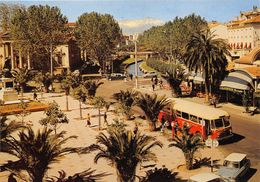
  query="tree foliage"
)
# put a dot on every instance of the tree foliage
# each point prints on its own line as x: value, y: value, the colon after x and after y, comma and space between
x: 188, y: 143
x: 35, y: 29
x: 125, y: 150
x: 54, y: 116
x: 98, y: 34
x: 207, y: 54
x: 169, y: 40
x: 35, y: 152
x: 6, y: 13
x: 151, y: 106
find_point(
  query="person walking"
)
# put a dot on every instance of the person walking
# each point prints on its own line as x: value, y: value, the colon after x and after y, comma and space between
x: 135, y: 129
x: 35, y: 95
x: 88, y: 120
x: 105, y: 119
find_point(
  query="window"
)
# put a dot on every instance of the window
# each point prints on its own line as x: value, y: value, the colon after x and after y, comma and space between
x: 185, y: 115
x: 226, y: 122
x: 194, y: 118
x: 178, y: 113
x: 218, y: 123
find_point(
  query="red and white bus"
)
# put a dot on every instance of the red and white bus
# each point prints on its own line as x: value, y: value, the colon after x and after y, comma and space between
x: 208, y: 121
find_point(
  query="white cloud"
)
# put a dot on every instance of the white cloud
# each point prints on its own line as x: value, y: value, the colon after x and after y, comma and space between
x: 138, y: 25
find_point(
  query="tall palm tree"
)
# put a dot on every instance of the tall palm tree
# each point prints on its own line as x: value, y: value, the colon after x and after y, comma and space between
x: 152, y: 105
x: 99, y: 103
x: 125, y: 150
x: 207, y: 54
x: 21, y: 77
x: 126, y: 101
x: 188, y: 143
x: 92, y: 86
x: 36, y: 152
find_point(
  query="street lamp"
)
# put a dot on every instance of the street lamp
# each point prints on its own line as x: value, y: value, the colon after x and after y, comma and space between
x: 136, y: 69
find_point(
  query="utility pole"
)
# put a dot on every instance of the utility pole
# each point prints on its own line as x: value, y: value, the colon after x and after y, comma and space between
x: 136, y: 70
x: 51, y: 60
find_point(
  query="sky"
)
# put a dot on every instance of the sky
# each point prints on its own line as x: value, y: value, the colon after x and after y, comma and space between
x: 134, y: 16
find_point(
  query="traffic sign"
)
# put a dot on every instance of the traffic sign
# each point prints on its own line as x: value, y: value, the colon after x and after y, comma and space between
x: 211, y: 143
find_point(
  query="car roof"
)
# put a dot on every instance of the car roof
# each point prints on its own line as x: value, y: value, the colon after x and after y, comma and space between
x: 235, y: 157
x: 204, y: 177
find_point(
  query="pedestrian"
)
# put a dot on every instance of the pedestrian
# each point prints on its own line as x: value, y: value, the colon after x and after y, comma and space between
x: 136, y: 129
x: 88, y: 120
x: 153, y: 86
x: 11, y: 178
x: 105, y: 119
x: 131, y: 76
x: 35, y: 95
x: 161, y: 83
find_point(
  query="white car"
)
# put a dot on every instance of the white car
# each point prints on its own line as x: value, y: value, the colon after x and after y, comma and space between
x: 235, y: 166
x: 149, y: 74
x: 205, y: 177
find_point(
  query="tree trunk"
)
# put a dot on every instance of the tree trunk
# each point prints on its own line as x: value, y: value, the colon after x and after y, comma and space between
x: 80, y: 111
x: 152, y: 125
x: 189, y: 161
x: 99, y: 119
x: 207, y: 86
x: 37, y: 177
x: 126, y: 175
x: 22, y: 92
x: 67, y: 103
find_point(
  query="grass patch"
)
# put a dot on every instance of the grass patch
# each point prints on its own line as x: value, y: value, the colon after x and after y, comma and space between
x: 129, y: 61
x: 146, y: 68
x: 15, y: 109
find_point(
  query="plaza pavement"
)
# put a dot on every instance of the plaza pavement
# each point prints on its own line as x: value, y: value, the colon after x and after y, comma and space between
x: 170, y: 157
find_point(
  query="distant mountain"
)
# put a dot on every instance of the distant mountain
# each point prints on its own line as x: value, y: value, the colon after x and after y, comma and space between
x: 138, y: 25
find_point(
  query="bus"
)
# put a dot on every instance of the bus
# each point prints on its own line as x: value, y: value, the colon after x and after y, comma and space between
x: 205, y: 120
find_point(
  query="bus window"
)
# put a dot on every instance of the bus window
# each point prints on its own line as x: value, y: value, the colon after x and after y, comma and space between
x: 212, y: 125
x: 193, y: 118
x: 178, y: 113
x: 218, y: 123
x: 185, y: 115
x: 226, y: 122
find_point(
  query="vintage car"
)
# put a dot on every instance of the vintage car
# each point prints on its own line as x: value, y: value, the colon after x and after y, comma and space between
x: 205, y: 177
x: 116, y: 76
x: 235, y: 166
x: 149, y: 74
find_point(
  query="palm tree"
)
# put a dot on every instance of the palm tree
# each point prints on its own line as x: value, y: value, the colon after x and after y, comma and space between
x: 125, y: 150
x: 84, y: 176
x: 151, y: 106
x: 92, y: 86
x: 81, y: 94
x: 207, y: 54
x: 175, y: 76
x: 188, y: 143
x: 162, y: 174
x: 126, y: 101
x: 99, y: 103
x: 36, y: 152
x: 54, y: 116
x: 21, y: 77
x: 66, y: 84
x: 7, y: 129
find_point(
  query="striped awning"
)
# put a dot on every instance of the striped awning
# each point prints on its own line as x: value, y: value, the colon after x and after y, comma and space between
x: 238, y: 80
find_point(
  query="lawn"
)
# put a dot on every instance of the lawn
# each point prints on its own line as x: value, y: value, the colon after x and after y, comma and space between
x: 15, y: 108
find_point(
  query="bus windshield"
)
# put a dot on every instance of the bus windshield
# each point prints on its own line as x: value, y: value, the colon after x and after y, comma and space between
x: 218, y: 123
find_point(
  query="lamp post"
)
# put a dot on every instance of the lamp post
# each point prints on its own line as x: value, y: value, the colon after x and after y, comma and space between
x: 136, y: 69
x: 51, y: 60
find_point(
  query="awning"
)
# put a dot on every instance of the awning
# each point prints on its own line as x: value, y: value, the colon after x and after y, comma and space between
x: 238, y: 80
x: 197, y: 78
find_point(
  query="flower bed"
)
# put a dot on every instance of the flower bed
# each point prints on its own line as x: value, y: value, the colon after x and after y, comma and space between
x: 15, y: 109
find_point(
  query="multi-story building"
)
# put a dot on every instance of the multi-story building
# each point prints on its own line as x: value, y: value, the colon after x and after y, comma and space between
x: 66, y: 55
x: 244, y: 32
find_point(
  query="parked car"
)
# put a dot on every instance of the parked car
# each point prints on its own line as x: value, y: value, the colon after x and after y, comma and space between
x: 235, y: 166
x: 149, y: 74
x: 116, y: 76
x: 205, y: 177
